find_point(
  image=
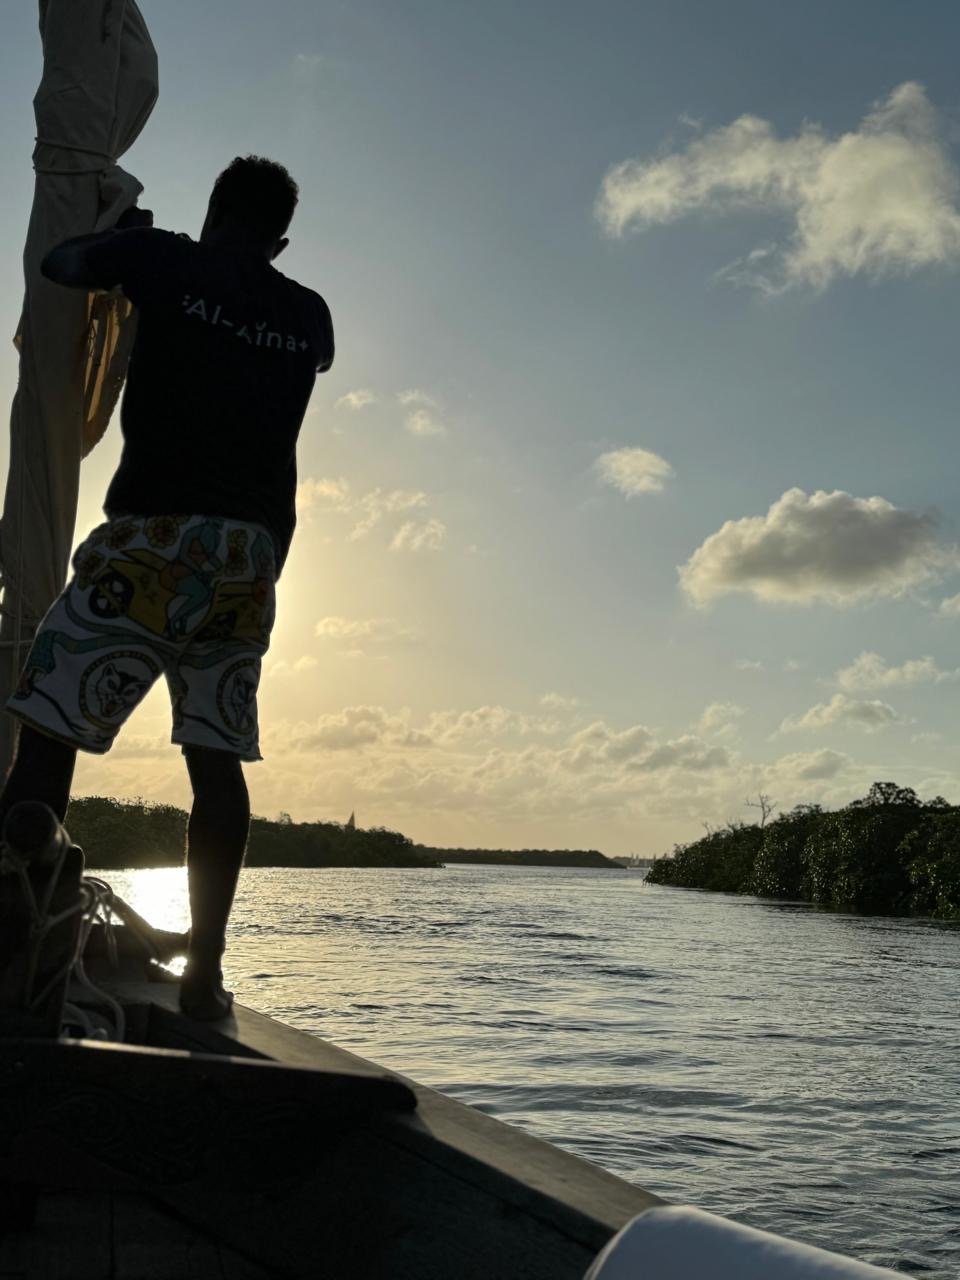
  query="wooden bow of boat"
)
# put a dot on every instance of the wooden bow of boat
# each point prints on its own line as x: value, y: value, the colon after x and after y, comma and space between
x: 248, y: 1148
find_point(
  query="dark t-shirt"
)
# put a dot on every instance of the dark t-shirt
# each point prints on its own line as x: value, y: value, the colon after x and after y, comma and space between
x: 225, y: 357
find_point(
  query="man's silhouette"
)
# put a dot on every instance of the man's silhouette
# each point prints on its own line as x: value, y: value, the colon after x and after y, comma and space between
x: 180, y: 579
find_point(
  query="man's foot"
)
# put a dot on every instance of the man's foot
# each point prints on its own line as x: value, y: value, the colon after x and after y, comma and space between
x: 202, y: 995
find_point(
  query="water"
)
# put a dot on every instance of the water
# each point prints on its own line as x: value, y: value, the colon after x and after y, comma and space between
x: 796, y: 1070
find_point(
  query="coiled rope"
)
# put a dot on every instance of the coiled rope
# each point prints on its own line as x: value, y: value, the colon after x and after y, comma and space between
x: 94, y: 903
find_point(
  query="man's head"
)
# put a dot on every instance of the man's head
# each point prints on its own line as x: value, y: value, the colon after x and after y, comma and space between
x: 252, y: 203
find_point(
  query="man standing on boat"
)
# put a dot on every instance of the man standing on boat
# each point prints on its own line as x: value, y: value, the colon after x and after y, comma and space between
x: 180, y: 579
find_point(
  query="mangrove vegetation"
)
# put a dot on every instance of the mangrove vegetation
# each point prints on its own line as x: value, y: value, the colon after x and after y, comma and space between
x: 117, y: 834
x: 523, y: 857
x: 131, y: 833
x: 888, y: 853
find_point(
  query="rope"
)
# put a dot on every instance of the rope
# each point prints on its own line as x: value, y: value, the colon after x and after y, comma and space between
x: 102, y: 901
x: 107, y: 159
x: 95, y: 905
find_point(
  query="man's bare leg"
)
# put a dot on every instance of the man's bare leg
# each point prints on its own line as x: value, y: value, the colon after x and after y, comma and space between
x: 42, y: 770
x: 216, y: 842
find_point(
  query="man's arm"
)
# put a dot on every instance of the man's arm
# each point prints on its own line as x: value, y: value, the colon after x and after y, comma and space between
x: 67, y: 263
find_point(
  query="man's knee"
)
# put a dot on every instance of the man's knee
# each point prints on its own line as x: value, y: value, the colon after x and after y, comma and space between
x: 213, y: 770
x: 44, y: 751
x: 42, y: 770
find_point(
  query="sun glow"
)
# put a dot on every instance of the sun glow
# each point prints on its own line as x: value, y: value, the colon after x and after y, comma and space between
x: 159, y: 894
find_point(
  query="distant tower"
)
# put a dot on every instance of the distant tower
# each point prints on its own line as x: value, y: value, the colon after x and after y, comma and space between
x: 351, y: 822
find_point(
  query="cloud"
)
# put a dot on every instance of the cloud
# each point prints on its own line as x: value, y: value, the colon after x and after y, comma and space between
x: 806, y: 766
x: 141, y: 747
x: 637, y: 750
x: 413, y: 395
x: 597, y: 741
x: 687, y: 752
x: 358, y: 399
x: 633, y: 471
x: 429, y: 536
x: 421, y: 423
x: 354, y: 728
x: 558, y: 702
x: 339, y: 628
x: 282, y: 667
x: 951, y: 606
x: 362, y: 633
x: 378, y: 503
x: 331, y: 494
x: 368, y: 509
x: 447, y: 727
x: 719, y: 718
x: 846, y: 712
x: 870, y: 671
x: 308, y: 62
x: 506, y: 777
x: 749, y: 664
x: 828, y: 547
x: 874, y: 201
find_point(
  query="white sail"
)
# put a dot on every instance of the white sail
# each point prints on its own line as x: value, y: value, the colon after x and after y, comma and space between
x: 98, y: 88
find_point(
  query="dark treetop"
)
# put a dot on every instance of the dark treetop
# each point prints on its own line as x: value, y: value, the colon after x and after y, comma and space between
x: 225, y: 358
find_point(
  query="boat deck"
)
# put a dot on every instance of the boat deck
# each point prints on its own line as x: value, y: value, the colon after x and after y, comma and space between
x: 442, y: 1193
x: 102, y: 1235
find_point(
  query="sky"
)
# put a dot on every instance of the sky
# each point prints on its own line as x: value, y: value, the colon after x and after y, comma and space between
x: 632, y: 493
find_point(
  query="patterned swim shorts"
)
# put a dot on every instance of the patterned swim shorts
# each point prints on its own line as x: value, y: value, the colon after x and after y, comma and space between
x: 191, y: 597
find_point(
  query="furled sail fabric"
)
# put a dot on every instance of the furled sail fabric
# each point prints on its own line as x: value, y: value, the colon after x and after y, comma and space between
x: 98, y: 88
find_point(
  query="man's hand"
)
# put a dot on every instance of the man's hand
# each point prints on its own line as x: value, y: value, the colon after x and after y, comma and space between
x: 134, y: 217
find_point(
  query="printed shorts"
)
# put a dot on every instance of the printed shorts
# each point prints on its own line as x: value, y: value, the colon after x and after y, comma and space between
x: 189, y: 597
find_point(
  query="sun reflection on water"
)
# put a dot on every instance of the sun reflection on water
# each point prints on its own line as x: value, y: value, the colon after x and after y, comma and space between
x: 158, y: 894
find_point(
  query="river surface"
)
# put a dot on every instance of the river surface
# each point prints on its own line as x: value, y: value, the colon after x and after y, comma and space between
x: 793, y: 1069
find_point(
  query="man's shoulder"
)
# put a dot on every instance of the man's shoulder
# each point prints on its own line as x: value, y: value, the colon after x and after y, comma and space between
x: 305, y: 295
x: 316, y: 314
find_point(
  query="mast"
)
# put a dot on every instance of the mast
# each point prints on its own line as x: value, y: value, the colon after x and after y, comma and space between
x: 98, y: 88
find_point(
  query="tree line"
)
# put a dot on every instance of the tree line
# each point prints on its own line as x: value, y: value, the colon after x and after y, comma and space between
x: 132, y: 833
x: 523, y: 857
x: 887, y: 853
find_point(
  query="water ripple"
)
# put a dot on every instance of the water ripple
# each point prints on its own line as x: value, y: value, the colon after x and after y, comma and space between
x: 795, y: 1069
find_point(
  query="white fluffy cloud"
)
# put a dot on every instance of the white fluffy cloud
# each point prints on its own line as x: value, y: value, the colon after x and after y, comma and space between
x: 335, y: 627
x: 430, y: 535
x: 687, y: 752
x: 800, y: 768
x: 870, y: 671
x: 423, y: 423
x: 488, y: 722
x: 326, y: 493
x: 558, y: 701
x: 283, y: 667
x: 368, y: 509
x: 358, y: 399
x: 633, y: 471
x: 354, y: 728
x: 373, y: 506
x: 414, y: 395
x: 598, y: 742
x: 494, y: 776
x: 844, y: 711
x: 829, y: 547
x: 719, y: 718
x: 879, y: 199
